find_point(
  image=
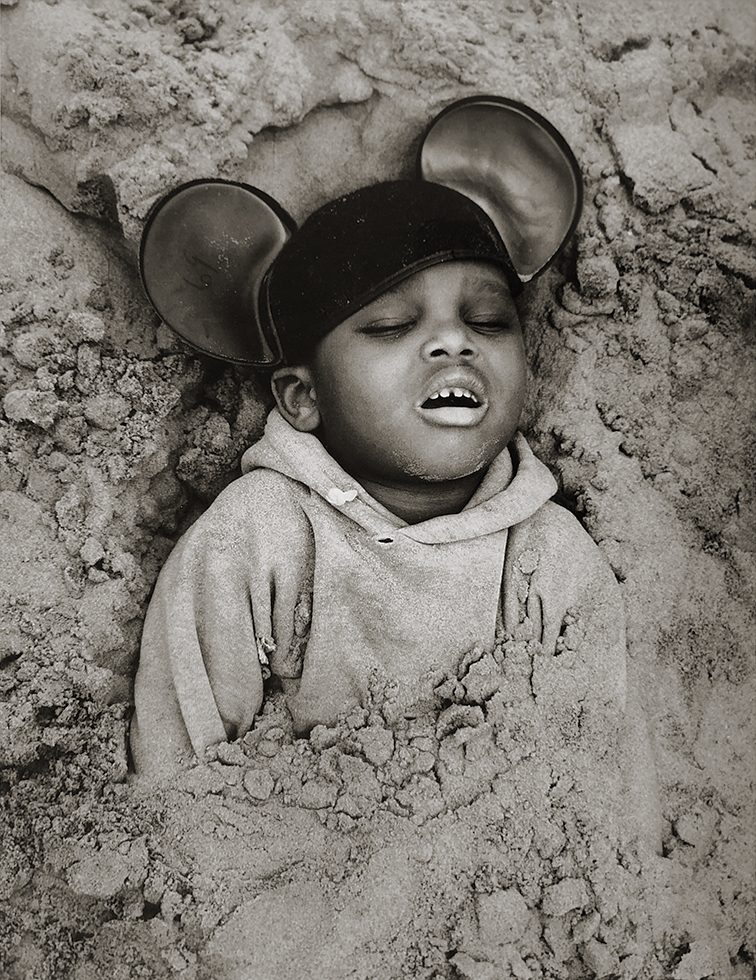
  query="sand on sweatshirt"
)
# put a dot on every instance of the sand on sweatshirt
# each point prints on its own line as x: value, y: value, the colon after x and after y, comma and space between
x: 488, y: 835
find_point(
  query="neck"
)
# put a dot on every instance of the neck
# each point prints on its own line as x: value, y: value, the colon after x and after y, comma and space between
x: 418, y: 502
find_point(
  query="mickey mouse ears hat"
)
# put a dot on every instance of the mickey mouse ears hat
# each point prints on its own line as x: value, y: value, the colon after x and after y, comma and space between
x: 224, y: 266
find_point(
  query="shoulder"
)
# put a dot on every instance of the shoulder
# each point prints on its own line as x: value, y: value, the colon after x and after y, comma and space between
x: 554, y: 531
x: 262, y: 503
x: 554, y: 542
x: 259, y: 492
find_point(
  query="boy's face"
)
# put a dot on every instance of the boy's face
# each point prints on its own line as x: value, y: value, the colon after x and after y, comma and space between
x: 427, y: 381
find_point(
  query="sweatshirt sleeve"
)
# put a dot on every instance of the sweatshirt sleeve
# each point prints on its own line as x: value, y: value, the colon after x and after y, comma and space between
x: 563, y: 593
x: 200, y: 680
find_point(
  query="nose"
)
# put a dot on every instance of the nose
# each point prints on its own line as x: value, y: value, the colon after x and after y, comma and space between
x: 449, y: 339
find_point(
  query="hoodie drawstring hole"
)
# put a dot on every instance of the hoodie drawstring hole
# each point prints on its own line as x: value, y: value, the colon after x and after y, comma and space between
x: 385, y: 540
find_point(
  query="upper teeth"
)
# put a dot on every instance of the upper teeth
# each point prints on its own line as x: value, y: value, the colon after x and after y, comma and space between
x: 456, y: 392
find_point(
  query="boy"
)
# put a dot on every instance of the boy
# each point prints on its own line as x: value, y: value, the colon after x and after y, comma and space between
x: 391, y: 516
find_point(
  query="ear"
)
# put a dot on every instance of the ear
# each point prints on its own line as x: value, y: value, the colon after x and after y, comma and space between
x: 516, y: 166
x: 294, y: 391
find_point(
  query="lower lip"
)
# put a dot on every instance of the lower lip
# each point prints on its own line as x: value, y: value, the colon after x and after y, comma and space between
x: 452, y: 417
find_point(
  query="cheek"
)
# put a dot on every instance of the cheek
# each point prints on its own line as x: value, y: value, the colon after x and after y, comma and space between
x: 350, y: 409
x: 514, y: 370
x: 358, y: 391
x: 521, y: 380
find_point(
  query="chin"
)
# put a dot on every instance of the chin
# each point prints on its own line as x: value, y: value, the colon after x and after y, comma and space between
x: 457, y: 459
x: 451, y: 468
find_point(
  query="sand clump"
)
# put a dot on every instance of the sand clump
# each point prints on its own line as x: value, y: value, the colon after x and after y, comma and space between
x: 464, y: 841
x: 484, y: 834
x: 481, y: 836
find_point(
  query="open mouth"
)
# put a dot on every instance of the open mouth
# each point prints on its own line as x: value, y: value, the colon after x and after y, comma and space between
x: 452, y: 398
x: 454, y: 405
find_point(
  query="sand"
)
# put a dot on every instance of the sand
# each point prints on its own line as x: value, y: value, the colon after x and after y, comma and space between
x: 488, y: 836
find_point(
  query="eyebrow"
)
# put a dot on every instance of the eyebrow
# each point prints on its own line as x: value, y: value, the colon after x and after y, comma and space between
x: 482, y: 281
x: 486, y: 283
x: 393, y: 291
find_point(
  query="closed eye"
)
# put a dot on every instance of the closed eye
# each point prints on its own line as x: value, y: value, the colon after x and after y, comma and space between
x: 386, y: 328
x: 487, y: 324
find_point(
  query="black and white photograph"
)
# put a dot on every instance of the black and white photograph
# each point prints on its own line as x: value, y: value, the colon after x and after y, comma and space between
x: 377, y: 523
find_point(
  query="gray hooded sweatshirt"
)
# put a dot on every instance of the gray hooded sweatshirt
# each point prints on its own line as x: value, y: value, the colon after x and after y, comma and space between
x: 296, y: 569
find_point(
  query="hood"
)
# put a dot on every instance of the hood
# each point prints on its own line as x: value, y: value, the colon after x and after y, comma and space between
x: 514, y: 487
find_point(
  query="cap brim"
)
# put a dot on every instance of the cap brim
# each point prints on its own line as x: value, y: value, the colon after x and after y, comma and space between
x: 516, y: 166
x: 205, y: 249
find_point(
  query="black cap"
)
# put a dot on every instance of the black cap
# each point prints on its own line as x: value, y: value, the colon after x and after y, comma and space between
x: 359, y: 245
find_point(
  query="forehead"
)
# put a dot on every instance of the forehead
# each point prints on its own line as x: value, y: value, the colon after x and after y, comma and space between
x: 479, y: 278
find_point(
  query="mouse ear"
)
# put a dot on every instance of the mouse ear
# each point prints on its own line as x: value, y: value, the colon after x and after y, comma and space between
x: 205, y: 249
x: 515, y: 166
